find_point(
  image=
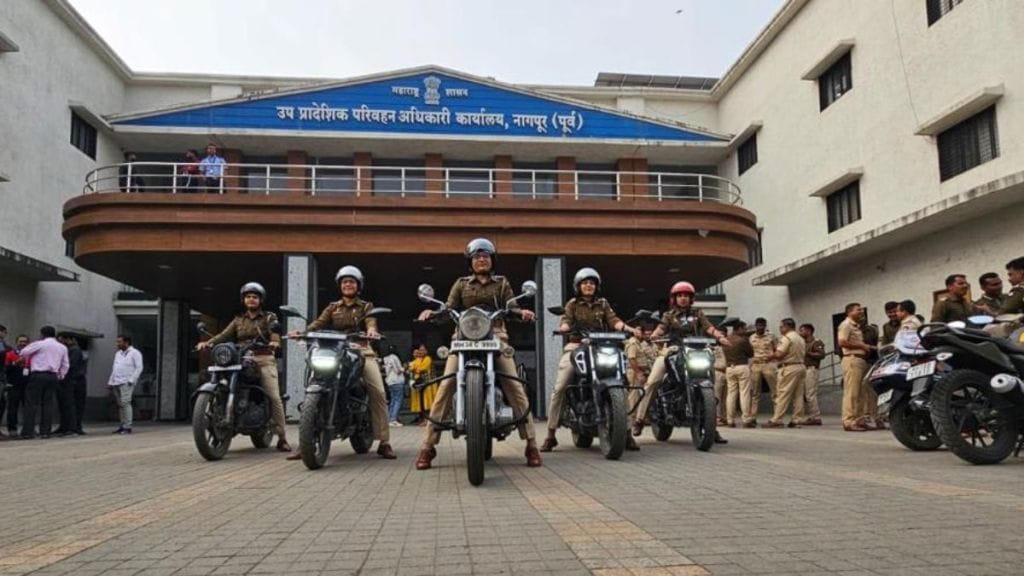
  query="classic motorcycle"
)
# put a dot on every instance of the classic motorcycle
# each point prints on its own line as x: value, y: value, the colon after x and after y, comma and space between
x: 595, y: 401
x: 687, y: 395
x: 903, y: 378
x: 978, y: 408
x: 232, y: 401
x: 480, y: 412
x: 336, y: 403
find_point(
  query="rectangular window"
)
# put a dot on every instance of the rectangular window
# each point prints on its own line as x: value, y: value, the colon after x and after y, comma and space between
x: 597, y: 181
x: 746, y: 154
x: 968, y: 144
x: 399, y: 177
x: 534, y: 179
x: 83, y: 136
x: 69, y: 249
x: 469, y: 179
x: 843, y: 206
x: 755, y: 253
x: 938, y: 8
x: 335, y: 177
x: 835, y: 81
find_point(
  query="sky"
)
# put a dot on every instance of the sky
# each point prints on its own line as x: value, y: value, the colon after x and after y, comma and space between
x: 520, y: 41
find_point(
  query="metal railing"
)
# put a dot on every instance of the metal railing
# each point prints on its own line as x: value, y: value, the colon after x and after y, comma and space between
x: 409, y: 181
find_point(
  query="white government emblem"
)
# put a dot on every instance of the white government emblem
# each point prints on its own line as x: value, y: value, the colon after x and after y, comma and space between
x: 432, y: 95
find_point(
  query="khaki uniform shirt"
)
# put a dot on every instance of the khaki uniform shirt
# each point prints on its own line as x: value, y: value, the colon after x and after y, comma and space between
x: 1014, y: 303
x: 889, y: 330
x: 993, y: 304
x: 468, y: 292
x: 850, y: 332
x: 683, y: 322
x: 763, y: 345
x: 643, y: 352
x: 815, y: 352
x: 244, y: 329
x: 344, y: 317
x: 947, y: 310
x: 719, y: 359
x: 793, y: 349
x: 739, y: 352
x: 589, y: 315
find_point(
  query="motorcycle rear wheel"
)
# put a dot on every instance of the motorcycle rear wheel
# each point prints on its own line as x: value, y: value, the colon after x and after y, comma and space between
x: 314, y: 439
x: 614, y: 431
x: 581, y: 439
x: 703, y: 426
x: 962, y: 406
x: 362, y: 439
x: 662, y: 431
x: 211, y: 446
x: 913, y: 428
x: 262, y: 439
x: 476, y: 427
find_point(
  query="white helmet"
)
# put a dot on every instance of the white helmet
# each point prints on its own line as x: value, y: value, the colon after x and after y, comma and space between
x: 586, y: 274
x: 254, y: 288
x: 350, y: 271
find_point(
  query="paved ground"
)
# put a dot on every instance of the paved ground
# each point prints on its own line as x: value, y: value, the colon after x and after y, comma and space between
x: 772, y: 501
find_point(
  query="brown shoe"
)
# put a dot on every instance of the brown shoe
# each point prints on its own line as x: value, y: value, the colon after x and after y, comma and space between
x: 793, y: 424
x: 773, y: 424
x: 631, y: 444
x: 721, y: 422
x: 296, y: 455
x: 282, y: 445
x: 549, y: 444
x: 730, y: 424
x: 423, y: 460
x: 532, y: 457
x: 385, y: 451
x: 638, y: 428
x: 751, y: 424
x: 812, y: 422
x: 855, y: 427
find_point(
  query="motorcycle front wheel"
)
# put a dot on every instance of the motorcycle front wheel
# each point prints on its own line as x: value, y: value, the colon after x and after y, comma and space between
x: 207, y: 414
x: 314, y: 439
x: 703, y: 426
x: 262, y: 439
x: 662, y: 430
x: 613, y: 432
x: 362, y: 439
x: 476, y: 427
x: 967, y: 421
x: 913, y: 428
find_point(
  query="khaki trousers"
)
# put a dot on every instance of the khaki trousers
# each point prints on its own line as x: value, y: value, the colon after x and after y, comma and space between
x: 373, y: 383
x: 737, y: 383
x: 854, y: 368
x: 658, y: 372
x: 634, y: 393
x: 769, y: 371
x: 268, y: 379
x: 720, y: 393
x: 790, y: 391
x: 514, y: 393
x: 562, y: 381
x: 811, y: 406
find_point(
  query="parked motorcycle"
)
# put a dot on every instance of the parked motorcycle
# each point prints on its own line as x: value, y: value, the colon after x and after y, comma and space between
x: 232, y: 401
x: 336, y: 403
x: 595, y: 402
x: 903, y: 378
x: 480, y: 412
x: 687, y: 395
x: 978, y: 408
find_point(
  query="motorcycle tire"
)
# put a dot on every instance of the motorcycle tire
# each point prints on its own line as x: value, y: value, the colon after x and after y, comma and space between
x: 662, y: 432
x: 614, y: 431
x: 362, y: 440
x: 703, y: 426
x: 263, y: 439
x: 210, y: 445
x: 952, y: 400
x: 913, y: 428
x: 581, y: 439
x: 314, y: 439
x: 476, y: 427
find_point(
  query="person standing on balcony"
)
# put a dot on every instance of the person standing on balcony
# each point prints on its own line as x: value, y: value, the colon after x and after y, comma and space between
x: 212, y: 169
x: 812, y: 359
x: 188, y: 172
x: 762, y: 366
x: 129, y: 179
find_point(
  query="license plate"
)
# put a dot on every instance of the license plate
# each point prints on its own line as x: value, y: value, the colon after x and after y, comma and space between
x: 921, y: 370
x: 884, y: 397
x: 475, y: 345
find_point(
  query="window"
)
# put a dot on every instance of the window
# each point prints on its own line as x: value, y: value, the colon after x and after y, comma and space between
x: 835, y: 81
x: 754, y: 253
x: 473, y: 180
x: 267, y: 175
x: 746, y: 154
x: 83, y: 136
x: 69, y: 249
x: 403, y: 177
x: 968, y: 144
x: 534, y: 179
x: 938, y: 8
x: 335, y: 177
x: 843, y: 206
x: 598, y: 181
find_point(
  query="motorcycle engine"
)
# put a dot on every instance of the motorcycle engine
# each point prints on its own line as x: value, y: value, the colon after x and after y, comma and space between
x: 504, y: 414
x: 250, y: 414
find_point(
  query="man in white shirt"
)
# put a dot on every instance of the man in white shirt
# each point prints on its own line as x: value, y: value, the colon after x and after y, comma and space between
x: 394, y: 376
x: 123, y: 378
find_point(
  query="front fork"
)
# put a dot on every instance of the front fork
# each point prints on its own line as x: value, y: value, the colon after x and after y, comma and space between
x: 229, y: 409
x: 460, y: 393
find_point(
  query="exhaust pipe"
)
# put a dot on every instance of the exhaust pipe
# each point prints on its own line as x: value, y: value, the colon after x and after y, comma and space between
x: 1003, y: 383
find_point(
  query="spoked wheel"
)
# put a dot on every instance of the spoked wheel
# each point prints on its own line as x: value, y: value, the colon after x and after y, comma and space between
x: 476, y: 427
x: 913, y: 428
x: 613, y: 432
x: 703, y: 426
x: 262, y: 439
x: 314, y: 439
x: 968, y: 421
x: 211, y: 441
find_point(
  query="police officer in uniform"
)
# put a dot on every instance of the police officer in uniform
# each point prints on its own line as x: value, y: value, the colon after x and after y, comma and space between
x: 812, y: 360
x: 792, y: 371
x: 992, y: 297
x: 252, y: 324
x: 1014, y: 303
x: 762, y: 366
x: 485, y: 289
x: 349, y: 315
x: 640, y: 356
x: 586, y: 312
x: 954, y: 305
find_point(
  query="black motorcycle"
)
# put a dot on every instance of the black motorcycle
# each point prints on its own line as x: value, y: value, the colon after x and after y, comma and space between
x: 595, y: 402
x: 336, y: 403
x: 232, y: 401
x: 978, y: 408
x: 687, y: 395
x: 903, y: 378
x: 480, y: 410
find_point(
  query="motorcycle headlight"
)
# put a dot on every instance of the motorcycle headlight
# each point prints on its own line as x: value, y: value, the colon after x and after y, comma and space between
x: 474, y: 325
x: 323, y: 360
x: 607, y: 358
x: 223, y: 354
x: 698, y: 363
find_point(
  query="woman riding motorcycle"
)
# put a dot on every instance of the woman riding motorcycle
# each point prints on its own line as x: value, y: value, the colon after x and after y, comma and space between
x: 251, y: 324
x: 587, y: 312
x: 679, y: 321
x: 349, y: 315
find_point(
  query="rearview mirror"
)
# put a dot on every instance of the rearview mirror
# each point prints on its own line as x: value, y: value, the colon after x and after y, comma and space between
x: 201, y: 326
x: 556, y: 310
x: 529, y: 288
x: 290, y: 311
x: 425, y: 292
x: 378, y: 312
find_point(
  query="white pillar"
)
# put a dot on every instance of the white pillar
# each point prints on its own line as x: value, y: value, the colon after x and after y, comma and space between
x: 172, y: 389
x: 550, y: 277
x: 300, y: 292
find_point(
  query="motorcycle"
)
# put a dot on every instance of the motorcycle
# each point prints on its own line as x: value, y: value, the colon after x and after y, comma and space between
x: 336, y: 403
x: 480, y: 411
x: 232, y: 402
x: 903, y: 378
x: 687, y: 395
x: 978, y: 408
x: 595, y: 401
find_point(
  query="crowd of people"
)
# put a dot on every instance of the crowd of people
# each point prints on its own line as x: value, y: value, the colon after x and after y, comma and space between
x: 192, y: 175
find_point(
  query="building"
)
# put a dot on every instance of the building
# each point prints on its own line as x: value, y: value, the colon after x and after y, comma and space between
x: 877, y: 143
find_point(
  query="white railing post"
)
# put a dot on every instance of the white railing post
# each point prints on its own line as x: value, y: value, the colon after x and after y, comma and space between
x: 700, y: 188
x: 576, y: 184
x: 533, y: 184
x: 128, y: 181
x: 447, y: 183
x: 401, y: 177
x: 659, y: 186
x: 359, y: 180
x: 491, y: 184
x: 174, y: 178
x: 266, y: 182
x: 312, y: 180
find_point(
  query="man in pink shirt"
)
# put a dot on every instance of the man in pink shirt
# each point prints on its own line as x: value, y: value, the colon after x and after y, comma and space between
x: 49, y: 363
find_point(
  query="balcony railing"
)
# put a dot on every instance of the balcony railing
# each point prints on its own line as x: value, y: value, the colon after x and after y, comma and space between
x: 410, y: 181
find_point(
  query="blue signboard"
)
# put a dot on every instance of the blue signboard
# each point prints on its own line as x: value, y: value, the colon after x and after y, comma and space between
x: 429, y: 102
